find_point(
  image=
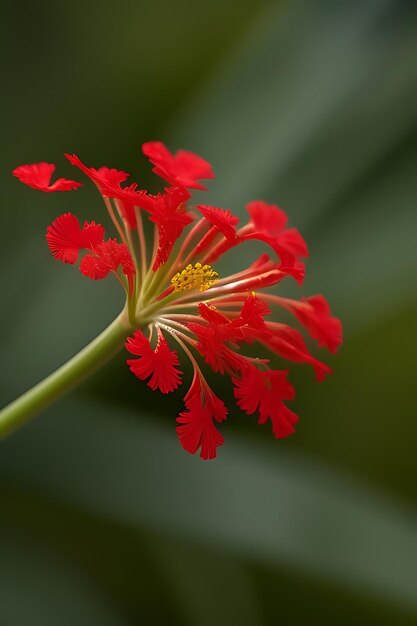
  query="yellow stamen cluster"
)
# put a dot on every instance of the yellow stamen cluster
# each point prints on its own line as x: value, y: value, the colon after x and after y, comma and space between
x: 197, y: 276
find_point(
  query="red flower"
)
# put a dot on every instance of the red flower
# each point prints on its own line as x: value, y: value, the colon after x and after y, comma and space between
x: 66, y: 238
x: 315, y: 315
x: 183, y: 168
x: 265, y: 392
x: 289, y: 344
x: 174, y: 294
x: 170, y: 216
x: 268, y: 223
x: 197, y: 429
x: 107, y: 179
x: 212, y: 346
x: 251, y: 317
x: 106, y: 257
x: 38, y: 176
x: 222, y: 220
x: 159, y: 364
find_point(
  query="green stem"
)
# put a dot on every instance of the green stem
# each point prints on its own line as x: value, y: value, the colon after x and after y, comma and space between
x: 77, y: 369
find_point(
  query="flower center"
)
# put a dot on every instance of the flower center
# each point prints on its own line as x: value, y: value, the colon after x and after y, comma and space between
x: 197, y: 276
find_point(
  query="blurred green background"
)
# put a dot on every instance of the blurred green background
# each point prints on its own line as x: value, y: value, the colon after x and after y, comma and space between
x: 103, y: 518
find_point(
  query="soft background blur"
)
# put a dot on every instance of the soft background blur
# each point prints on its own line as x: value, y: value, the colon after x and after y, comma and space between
x: 104, y: 519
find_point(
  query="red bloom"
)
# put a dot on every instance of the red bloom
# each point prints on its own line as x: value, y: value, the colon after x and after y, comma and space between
x: 252, y: 314
x: 38, y: 176
x: 106, y: 257
x: 243, y: 327
x: 268, y: 223
x: 197, y: 429
x: 159, y: 364
x: 218, y: 339
x: 66, y: 238
x: 223, y: 220
x: 265, y: 392
x: 107, y: 179
x: 170, y: 215
x: 289, y: 344
x: 220, y: 222
x: 315, y: 315
x: 183, y: 168
x: 217, y: 321
x: 212, y: 347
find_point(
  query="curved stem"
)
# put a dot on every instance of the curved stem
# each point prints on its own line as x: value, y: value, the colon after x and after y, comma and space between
x: 77, y: 369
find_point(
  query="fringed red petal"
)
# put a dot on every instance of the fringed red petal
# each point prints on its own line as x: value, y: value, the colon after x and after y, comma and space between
x: 253, y: 312
x: 91, y: 235
x: 38, y: 176
x: 264, y: 392
x: 93, y: 267
x: 290, y: 344
x: 107, y: 179
x: 222, y: 219
x: 105, y: 257
x: 197, y: 429
x: 315, y: 315
x: 158, y: 365
x: 268, y: 223
x: 267, y: 218
x: 182, y: 168
x: 170, y: 215
x: 66, y: 238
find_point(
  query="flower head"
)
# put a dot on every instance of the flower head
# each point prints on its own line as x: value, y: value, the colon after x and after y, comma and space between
x: 179, y: 304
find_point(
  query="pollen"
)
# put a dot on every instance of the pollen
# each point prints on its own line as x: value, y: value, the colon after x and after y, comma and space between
x: 197, y: 277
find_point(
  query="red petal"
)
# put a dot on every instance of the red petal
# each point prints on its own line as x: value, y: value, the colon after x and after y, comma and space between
x: 170, y: 215
x: 212, y: 315
x: 64, y: 237
x: 289, y: 344
x: 159, y: 365
x: 315, y: 315
x: 245, y: 326
x: 38, y: 176
x: 107, y: 179
x: 222, y: 219
x: 93, y: 267
x: 91, y: 235
x: 108, y: 182
x: 289, y: 245
x: 265, y: 392
x: 296, y: 269
x: 106, y: 257
x: 183, y: 168
x: 267, y: 218
x: 253, y: 312
x: 213, y: 349
x: 268, y: 224
x: 292, y: 242
x: 197, y: 430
